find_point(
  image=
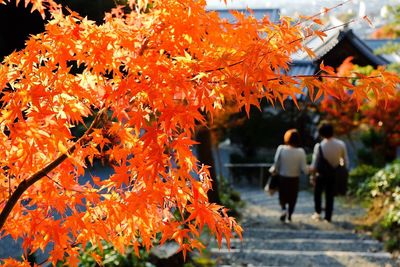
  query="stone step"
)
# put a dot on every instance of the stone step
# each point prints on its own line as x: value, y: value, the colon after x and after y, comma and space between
x: 304, y: 244
x: 270, y: 234
x: 332, y: 253
x: 266, y: 257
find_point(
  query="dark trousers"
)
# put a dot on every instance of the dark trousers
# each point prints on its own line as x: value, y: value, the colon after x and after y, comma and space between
x: 324, y: 184
x: 288, y: 191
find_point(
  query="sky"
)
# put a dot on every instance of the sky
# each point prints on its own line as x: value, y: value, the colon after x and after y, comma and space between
x: 306, y: 6
x: 294, y: 8
x: 265, y: 3
x: 282, y: 3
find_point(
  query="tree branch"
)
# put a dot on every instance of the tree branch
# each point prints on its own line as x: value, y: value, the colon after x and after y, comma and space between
x: 24, y: 185
x: 306, y: 76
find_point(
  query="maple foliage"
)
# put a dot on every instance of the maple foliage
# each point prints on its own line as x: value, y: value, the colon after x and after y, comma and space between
x: 347, y: 115
x: 148, y: 77
x: 342, y: 112
x: 384, y: 116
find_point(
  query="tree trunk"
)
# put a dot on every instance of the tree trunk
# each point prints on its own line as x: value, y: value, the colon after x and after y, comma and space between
x: 217, y: 155
x: 205, y: 156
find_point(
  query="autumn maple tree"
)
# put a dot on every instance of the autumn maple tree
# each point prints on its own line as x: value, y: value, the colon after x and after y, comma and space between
x: 381, y: 115
x: 149, y: 75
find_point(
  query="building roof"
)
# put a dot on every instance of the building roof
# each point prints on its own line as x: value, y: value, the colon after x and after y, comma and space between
x: 364, y: 48
x: 339, y: 44
x: 302, y: 67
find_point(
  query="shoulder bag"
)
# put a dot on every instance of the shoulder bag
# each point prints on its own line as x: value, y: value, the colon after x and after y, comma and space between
x: 339, y: 174
x: 273, y: 182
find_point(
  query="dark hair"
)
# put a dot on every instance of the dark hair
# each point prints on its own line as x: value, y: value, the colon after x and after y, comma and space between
x: 292, y: 138
x: 325, y: 130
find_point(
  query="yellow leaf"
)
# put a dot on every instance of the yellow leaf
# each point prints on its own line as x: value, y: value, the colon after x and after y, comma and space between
x: 62, y: 148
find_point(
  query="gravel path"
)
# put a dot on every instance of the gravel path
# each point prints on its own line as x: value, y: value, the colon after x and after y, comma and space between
x: 304, y: 241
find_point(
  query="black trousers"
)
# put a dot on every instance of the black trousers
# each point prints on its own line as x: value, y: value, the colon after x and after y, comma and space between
x: 288, y: 191
x: 326, y: 185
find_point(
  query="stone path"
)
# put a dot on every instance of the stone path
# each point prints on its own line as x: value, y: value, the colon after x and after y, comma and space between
x: 304, y: 241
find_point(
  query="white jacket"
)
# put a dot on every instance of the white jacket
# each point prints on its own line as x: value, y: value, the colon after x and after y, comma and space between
x: 290, y: 161
x: 334, y: 151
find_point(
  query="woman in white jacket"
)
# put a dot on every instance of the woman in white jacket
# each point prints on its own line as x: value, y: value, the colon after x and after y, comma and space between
x: 290, y: 162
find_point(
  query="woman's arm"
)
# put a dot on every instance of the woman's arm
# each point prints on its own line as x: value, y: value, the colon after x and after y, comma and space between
x: 345, y: 156
x: 304, y: 168
x: 314, y: 157
x: 278, y: 151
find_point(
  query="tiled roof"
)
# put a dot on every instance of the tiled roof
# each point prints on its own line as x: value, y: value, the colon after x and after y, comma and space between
x: 334, y: 37
x: 318, y: 46
x: 302, y: 67
x: 305, y: 67
x: 364, y: 48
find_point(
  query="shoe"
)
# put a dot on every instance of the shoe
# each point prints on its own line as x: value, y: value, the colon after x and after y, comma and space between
x: 283, y: 216
x: 316, y: 216
x: 327, y: 220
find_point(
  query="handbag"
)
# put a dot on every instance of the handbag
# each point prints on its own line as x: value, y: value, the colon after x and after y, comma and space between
x: 324, y: 168
x: 341, y: 178
x: 273, y: 182
x: 272, y: 185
